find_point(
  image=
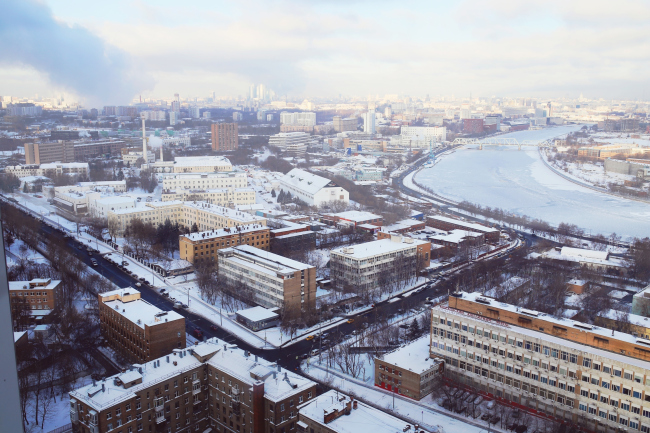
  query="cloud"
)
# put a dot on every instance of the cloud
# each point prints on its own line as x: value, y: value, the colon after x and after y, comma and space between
x: 72, y: 57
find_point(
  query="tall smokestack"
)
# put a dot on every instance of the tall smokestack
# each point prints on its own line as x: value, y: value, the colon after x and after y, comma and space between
x: 144, y: 143
x: 161, y: 153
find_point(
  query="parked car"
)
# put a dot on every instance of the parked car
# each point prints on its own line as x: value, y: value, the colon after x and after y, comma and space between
x: 213, y: 327
x: 177, y: 305
x: 314, y: 352
x: 94, y: 262
x: 138, y: 284
x: 197, y: 333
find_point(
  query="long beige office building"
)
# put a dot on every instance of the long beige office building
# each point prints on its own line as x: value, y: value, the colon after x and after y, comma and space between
x: 577, y: 372
x: 205, y: 215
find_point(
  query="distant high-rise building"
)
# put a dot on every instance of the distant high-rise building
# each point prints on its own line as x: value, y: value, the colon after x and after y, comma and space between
x: 302, y: 118
x: 237, y: 116
x: 341, y: 125
x: 369, y: 122
x: 174, y: 117
x: 176, y: 103
x: 225, y: 136
x: 261, y: 92
x: 195, y: 112
x: 251, y: 91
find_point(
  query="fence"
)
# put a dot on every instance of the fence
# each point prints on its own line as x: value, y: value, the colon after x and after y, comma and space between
x: 63, y: 429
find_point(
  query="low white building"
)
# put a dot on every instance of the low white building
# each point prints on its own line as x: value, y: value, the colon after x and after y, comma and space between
x: 132, y: 157
x: 99, y: 206
x: 193, y: 164
x: 293, y: 143
x: 312, y: 189
x: 191, y: 181
x: 51, y: 169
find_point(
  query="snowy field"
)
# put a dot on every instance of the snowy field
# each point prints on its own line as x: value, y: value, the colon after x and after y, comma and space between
x: 518, y: 181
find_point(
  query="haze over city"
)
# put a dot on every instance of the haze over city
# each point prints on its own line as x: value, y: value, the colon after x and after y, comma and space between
x: 324, y: 217
x: 120, y: 50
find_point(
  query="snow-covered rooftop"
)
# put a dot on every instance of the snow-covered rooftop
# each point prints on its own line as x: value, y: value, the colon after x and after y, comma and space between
x: 138, y: 311
x: 355, y: 215
x: 37, y: 283
x: 363, y: 418
x: 258, y: 313
x: 413, y: 357
x: 477, y: 227
x: 249, y: 255
x: 583, y: 253
x: 226, y: 231
x: 374, y: 248
x: 189, y: 161
x: 305, y: 181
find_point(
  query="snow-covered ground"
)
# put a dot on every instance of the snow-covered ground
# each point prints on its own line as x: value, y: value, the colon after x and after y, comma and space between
x: 518, y: 181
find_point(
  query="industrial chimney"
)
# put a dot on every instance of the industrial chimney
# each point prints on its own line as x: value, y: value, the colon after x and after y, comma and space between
x: 144, y: 143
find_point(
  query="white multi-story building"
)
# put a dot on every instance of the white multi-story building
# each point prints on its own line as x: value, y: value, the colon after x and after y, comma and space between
x: 174, y: 117
x: 177, y: 141
x: 223, y: 197
x: 132, y: 157
x: 362, y: 265
x: 312, y: 189
x: 237, y: 116
x: 301, y: 118
x: 154, y: 115
x: 439, y: 133
x: 369, y: 122
x: 195, y: 112
x: 193, y: 164
x: 294, y: 143
x: 50, y: 169
x: 581, y: 373
x: 206, y: 216
x: 192, y: 181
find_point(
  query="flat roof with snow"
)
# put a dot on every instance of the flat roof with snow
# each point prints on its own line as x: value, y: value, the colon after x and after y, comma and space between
x: 355, y: 215
x: 375, y: 248
x: 306, y: 181
x: 478, y: 227
x: 226, y: 231
x: 257, y: 314
x: 414, y: 357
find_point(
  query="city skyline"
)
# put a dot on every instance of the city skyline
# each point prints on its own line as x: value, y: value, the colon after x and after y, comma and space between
x: 323, y: 49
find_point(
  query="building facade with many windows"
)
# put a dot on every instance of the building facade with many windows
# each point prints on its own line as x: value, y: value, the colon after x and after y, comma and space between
x: 204, y: 246
x: 577, y: 372
x: 212, y: 386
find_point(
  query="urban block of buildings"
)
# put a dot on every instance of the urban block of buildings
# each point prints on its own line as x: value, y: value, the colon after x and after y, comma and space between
x: 275, y: 281
x: 312, y: 189
x: 447, y: 224
x: 137, y: 329
x: 70, y: 151
x: 192, y: 164
x: 204, y: 246
x: 202, y: 388
x: 353, y: 218
x: 48, y: 170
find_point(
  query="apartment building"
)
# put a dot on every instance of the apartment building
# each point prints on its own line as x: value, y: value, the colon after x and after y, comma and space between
x: 334, y: 412
x: 37, y: 294
x: 275, y: 281
x: 205, y: 215
x: 204, y: 246
x: 86, y: 150
x: 581, y: 373
x: 312, y: 189
x: 43, y: 153
x: 222, y: 197
x: 293, y: 143
x: 364, y: 265
x: 209, y: 387
x: 445, y: 223
x: 409, y: 370
x: 225, y: 136
x: 345, y: 124
x: 135, y: 328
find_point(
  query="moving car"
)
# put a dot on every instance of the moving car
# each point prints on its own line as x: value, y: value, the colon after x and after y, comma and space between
x: 350, y: 321
x: 309, y: 338
x: 197, y: 333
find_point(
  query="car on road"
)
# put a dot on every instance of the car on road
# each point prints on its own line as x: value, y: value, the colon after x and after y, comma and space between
x: 177, y: 305
x: 213, y: 327
x: 349, y: 321
x: 197, y: 333
x: 313, y: 352
x: 309, y: 338
x: 184, y: 305
x: 138, y: 284
x: 162, y: 291
x: 94, y: 262
x: 90, y: 253
x: 142, y: 279
x: 166, y: 295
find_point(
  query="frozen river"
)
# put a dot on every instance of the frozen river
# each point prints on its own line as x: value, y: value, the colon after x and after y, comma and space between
x: 518, y: 181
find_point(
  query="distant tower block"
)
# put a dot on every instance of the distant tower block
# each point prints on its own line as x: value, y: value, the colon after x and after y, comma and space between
x: 144, y: 142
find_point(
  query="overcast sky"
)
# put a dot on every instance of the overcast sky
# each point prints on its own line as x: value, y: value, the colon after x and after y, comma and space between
x: 108, y: 52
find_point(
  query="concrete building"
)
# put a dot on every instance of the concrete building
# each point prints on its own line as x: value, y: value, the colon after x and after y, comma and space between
x: 77, y: 199
x: 131, y: 157
x: 293, y: 143
x: 641, y: 303
x: 93, y: 149
x: 155, y: 115
x: 204, y: 246
x: 573, y: 371
x: 409, y: 370
x: 345, y: 124
x: 445, y: 223
x: 312, y: 189
x: 299, y: 118
x: 174, y: 118
x: 289, y: 235
x: 205, y: 181
x: 38, y: 294
x: 49, y: 170
x: 334, y: 412
x: 275, y: 281
x: 369, y: 122
x: 237, y: 116
x: 225, y: 136
x: 607, y: 151
x: 223, y: 197
x: 472, y: 126
x: 205, y: 215
x: 437, y: 133
x: 203, y: 388
x: 590, y: 259
x: 43, y: 153
x: 99, y: 207
x: 257, y: 318
x: 135, y: 328
x: 363, y: 265
x: 193, y: 164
